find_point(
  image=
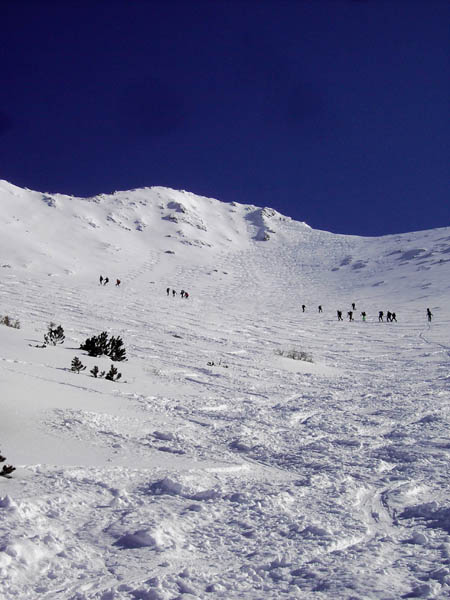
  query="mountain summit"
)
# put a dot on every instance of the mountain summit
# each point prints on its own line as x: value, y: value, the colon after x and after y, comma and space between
x: 56, y: 234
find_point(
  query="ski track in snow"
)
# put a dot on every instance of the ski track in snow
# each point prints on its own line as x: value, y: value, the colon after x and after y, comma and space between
x: 256, y: 477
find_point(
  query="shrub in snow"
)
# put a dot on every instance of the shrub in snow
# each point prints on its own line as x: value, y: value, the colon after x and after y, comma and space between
x: 219, y: 363
x: 6, y: 469
x: 113, y: 374
x: 77, y: 365
x: 10, y: 322
x: 99, y: 345
x: 55, y: 335
x: 116, y: 351
x: 95, y: 372
x: 295, y: 354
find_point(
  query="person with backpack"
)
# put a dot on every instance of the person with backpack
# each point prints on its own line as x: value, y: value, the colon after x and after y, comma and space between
x: 101, y: 279
x: 339, y: 315
x: 320, y: 308
x: 429, y: 315
x: 303, y: 307
x: 106, y: 280
x: 350, y: 315
x: 363, y: 314
x: 168, y: 291
x: 117, y: 282
x: 380, y: 316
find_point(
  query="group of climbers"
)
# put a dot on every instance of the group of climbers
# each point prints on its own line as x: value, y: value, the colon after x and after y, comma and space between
x: 105, y: 281
x: 391, y: 317
x: 183, y: 293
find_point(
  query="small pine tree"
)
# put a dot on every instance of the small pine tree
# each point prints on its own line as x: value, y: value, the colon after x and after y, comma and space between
x: 77, y: 365
x: 6, y: 469
x: 116, y: 351
x: 96, y: 372
x: 112, y: 374
x: 55, y: 335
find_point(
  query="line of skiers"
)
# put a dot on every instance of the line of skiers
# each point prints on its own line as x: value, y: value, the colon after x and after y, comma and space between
x: 105, y: 281
x: 391, y: 317
x: 183, y: 293
x: 320, y: 308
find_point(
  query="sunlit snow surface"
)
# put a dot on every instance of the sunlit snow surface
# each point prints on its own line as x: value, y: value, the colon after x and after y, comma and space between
x: 256, y: 477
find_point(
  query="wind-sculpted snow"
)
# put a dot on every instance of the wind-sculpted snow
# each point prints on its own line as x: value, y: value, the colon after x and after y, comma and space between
x: 218, y: 467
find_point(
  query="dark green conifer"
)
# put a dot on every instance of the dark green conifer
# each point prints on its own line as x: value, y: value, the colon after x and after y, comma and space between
x: 77, y: 365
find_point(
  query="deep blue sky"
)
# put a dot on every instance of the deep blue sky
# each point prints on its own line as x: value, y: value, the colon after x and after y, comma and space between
x: 333, y: 112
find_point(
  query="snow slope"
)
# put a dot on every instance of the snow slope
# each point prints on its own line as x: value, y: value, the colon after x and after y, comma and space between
x: 257, y: 476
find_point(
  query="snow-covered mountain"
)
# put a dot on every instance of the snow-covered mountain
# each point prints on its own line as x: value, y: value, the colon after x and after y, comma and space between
x: 217, y: 467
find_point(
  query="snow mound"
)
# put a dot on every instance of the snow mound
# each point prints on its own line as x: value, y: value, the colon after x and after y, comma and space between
x: 192, y: 487
x: 158, y: 538
x: 433, y: 515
